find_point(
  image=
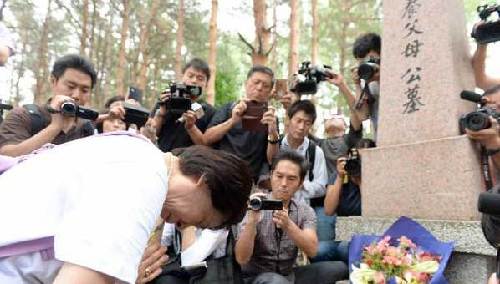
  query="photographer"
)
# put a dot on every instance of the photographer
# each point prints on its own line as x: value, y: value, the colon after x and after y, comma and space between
x: 366, y: 51
x: 343, y: 197
x: 490, y: 138
x: 82, y: 224
x: 252, y: 144
x: 268, y: 241
x: 30, y: 127
x: 174, y: 134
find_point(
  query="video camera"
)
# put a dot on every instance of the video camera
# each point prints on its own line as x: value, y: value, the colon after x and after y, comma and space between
x: 260, y: 203
x: 368, y: 68
x: 489, y: 31
x: 135, y: 114
x: 181, y: 96
x: 353, y: 164
x: 69, y: 108
x: 309, y: 78
x: 479, y: 119
x: 489, y: 204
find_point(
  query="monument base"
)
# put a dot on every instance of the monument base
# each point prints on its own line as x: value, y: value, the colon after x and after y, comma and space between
x: 472, y: 261
x: 434, y: 180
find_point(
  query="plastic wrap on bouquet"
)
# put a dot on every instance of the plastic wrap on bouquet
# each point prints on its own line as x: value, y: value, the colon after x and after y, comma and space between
x: 405, y: 226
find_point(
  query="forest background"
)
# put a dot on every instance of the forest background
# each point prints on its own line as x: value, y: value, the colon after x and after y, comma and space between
x: 145, y: 43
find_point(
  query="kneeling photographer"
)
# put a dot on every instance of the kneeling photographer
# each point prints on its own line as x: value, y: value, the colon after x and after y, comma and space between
x: 482, y: 126
x: 343, y: 198
x: 62, y: 119
x: 269, y: 240
x: 182, y: 118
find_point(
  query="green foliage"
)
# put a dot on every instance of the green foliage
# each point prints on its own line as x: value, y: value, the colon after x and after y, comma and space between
x: 226, y: 88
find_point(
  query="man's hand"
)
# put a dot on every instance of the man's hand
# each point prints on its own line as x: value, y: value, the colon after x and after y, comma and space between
x: 288, y: 99
x: 189, y: 119
x: 58, y: 121
x: 269, y: 118
x: 280, y: 218
x: 153, y: 259
x: 117, y: 111
x: 165, y: 96
x: 355, y: 76
x: 335, y: 78
x: 340, y: 167
x: 489, y: 138
x: 238, y: 111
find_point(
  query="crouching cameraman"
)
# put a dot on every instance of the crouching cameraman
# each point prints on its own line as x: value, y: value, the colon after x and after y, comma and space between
x: 268, y: 241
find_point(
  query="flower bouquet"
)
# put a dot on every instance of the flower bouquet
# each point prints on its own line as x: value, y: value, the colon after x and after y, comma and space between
x: 407, y: 253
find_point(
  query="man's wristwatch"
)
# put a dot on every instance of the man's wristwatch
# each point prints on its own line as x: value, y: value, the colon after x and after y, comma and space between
x: 271, y: 141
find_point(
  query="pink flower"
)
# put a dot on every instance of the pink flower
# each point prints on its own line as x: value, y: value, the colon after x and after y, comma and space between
x: 379, y: 277
x: 406, y: 243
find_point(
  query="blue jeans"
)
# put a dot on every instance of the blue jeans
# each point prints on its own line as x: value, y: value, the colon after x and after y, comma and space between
x: 326, y: 225
x: 332, y: 251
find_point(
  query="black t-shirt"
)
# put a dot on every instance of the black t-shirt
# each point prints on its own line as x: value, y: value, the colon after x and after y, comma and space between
x: 174, y: 135
x: 350, y: 200
x: 248, y: 145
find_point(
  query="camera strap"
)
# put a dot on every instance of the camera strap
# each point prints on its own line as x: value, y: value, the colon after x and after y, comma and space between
x: 485, y: 168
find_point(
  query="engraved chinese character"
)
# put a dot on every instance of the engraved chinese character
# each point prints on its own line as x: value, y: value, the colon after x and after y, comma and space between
x: 412, y: 76
x: 412, y: 28
x: 412, y: 48
x: 413, y: 100
x: 411, y: 9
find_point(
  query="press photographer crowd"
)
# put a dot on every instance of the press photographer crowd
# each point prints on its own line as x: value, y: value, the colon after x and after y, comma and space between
x: 188, y: 193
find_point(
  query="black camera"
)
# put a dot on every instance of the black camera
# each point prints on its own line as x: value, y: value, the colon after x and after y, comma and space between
x: 309, y: 78
x: 181, y: 96
x: 135, y: 114
x: 368, y: 68
x: 261, y: 203
x: 353, y: 164
x: 69, y: 108
x: 479, y: 119
x: 489, y: 31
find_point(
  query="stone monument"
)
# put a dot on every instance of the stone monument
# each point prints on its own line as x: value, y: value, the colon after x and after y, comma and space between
x: 422, y: 167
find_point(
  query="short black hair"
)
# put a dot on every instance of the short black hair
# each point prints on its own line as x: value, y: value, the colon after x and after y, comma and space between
x: 294, y: 157
x: 74, y: 61
x: 261, y: 69
x: 492, y: 90
x: 366, y: 43
x: 305, y: 105
x: 198, y: 64
x: 227, y: 176
x: 112, y: 100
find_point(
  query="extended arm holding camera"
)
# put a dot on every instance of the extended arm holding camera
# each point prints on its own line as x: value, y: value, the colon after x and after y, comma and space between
x: 333, y: 191
x: 338, y: 80
x: 215, y: 133
x: 47, y: 135
x: 483, y: 81
x: 243, y: 250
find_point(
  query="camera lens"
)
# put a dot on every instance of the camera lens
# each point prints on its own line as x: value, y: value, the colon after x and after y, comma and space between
x: 366, y: 71
x: 477, y: 121
x: 353, y: 167
x: 68, y: 108
x: 255, y: 203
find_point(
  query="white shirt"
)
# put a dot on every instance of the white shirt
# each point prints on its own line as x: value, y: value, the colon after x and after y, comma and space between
x: 208, y: 242
x: 316, y: 187
x: 99, y: 197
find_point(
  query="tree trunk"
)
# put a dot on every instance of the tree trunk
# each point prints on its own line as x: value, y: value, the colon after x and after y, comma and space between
x: 122, y: 59
x: 85, y: 19
x: 42, y: 69
x: 212, y: 53
x: 106, y: 57
x: 93, y: 55
x: 315, y: 31
x: 144, y: 47
x: 262, y: 33
x: 293, y: 55
x: 274, y: 53
x: 2, y: 7
x: 179, y: 41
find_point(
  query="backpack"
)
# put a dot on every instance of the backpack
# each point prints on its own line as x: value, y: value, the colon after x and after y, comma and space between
x: 39, y: 122
x: 310, y: 155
